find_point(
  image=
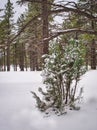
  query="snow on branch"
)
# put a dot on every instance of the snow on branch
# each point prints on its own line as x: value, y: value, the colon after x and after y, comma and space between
x: 66, y: 7
x: 62, y: 8
x: 56, y: 34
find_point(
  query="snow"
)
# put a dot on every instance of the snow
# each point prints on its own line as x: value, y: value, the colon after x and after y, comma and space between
x: 18, y: 110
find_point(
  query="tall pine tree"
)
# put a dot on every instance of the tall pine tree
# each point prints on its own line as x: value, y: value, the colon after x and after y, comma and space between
x: 8, y: 17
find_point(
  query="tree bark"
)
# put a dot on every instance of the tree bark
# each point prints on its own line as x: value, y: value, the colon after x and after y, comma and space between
x: 8, y: 55
x: 93, y: 44
x: 93, y: 55
x: 45, y: 25
x: 22, y: 57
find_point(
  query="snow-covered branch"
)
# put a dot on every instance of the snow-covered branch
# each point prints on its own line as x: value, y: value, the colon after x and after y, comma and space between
x: 62, y: 32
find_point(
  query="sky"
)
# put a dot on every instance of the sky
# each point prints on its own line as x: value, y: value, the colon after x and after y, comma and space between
x: 17, y: 8
x: 20, y: 9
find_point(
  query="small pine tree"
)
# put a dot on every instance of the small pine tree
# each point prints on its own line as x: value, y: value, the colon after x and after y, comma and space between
x: 63, y: 67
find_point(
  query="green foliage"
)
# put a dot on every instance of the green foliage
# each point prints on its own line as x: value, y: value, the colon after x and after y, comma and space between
x: 62, y: 66
x: 6, y: 33
x: 87, y: 38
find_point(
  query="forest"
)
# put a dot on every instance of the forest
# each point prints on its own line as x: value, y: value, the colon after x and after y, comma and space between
x: 48, y: 52
x: 45, y: 22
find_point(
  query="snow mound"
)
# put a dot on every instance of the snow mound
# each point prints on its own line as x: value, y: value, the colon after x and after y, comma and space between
x: 89, y: 83
x: 18, y: 110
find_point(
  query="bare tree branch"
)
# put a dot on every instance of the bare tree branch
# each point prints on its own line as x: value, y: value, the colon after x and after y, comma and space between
x: 68, y: 7
x: 63, y: 9
x: 23, y: 28
x: 56, y: 34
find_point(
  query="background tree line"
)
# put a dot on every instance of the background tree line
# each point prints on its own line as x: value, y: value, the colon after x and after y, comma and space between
x: 23, y: 43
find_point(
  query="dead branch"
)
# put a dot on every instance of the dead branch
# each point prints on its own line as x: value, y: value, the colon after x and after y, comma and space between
x: 23, y: 28
x: 56, y: 34
x: 65, y: 8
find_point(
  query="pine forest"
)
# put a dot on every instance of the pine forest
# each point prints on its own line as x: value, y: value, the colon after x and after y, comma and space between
x: 25, y: 41
x: 57, y: 37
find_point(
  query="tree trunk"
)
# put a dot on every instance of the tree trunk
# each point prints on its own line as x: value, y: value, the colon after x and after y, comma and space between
x: 32, y: 60
x: 8, y: 55
x: 15, y: 57
x: 45, y: 25
x: 93, y: 55
x: 26, y: 66
x: 93, y: 44
x: 93, y: 49
x: 4, y: 60
x: 22, y: 58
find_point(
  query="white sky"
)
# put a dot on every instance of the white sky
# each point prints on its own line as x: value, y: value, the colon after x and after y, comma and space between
x: 17, y: 8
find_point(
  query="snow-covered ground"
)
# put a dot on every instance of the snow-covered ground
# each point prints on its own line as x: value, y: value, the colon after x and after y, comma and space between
x: 18, y: 111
